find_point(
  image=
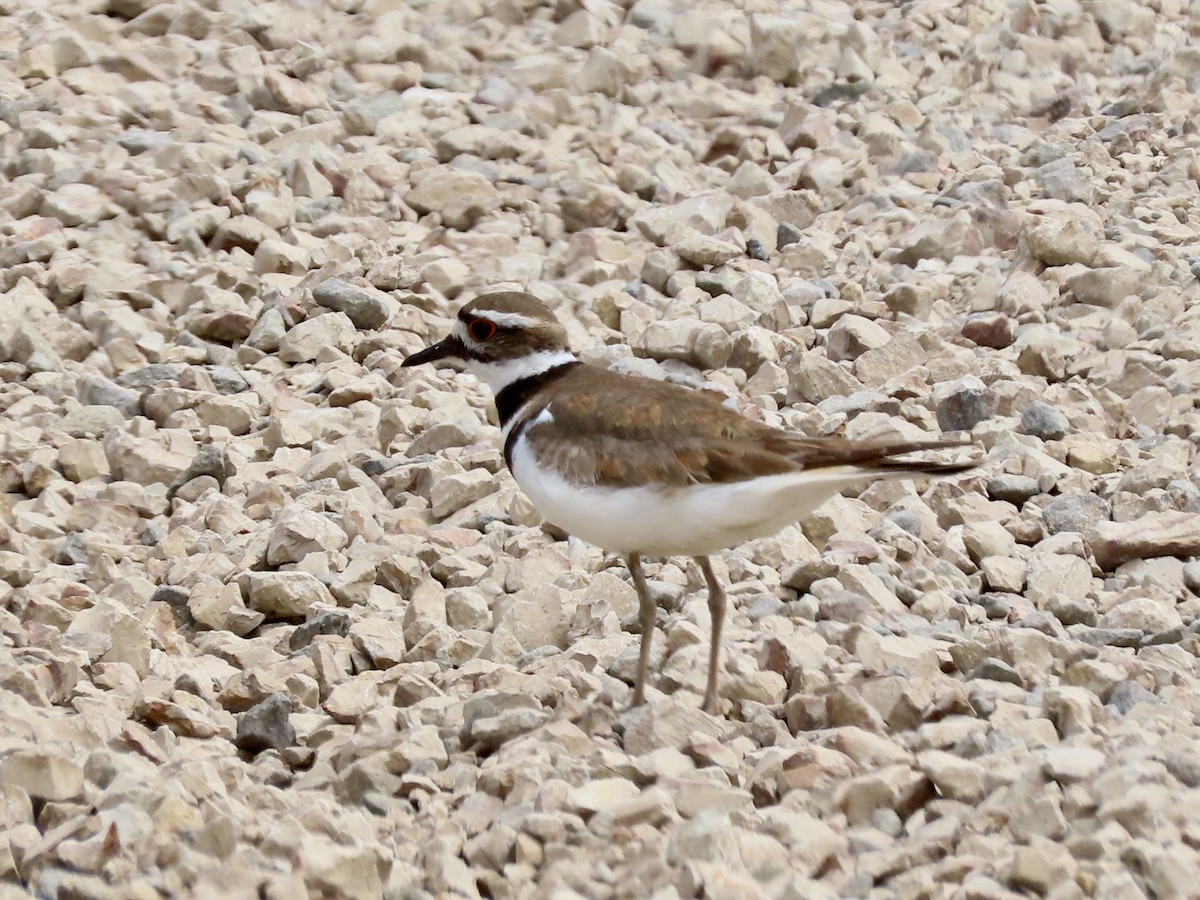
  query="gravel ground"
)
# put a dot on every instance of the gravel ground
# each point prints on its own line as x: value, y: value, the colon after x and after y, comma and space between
x: 276, y: 623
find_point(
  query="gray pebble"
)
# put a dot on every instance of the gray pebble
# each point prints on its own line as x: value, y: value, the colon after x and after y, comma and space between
x: 1128, y: 694
x: 1191, y: 576
x: 378, y: 465
x: 227, y: 380
x: 1108, y: 637
x: 1185, y: 767
x: 992, y: 669
x: 150, y: 536
x: 328, y: 622
x: 1075, y: 512
x: 826, y: 287
x: 844, y: 606
x: 711, y: 284
x: 266, y: 726
x: 1073, y: 612
x: 1045, y: 422
x: 1043, y: 621
x: 148, y: 376
x: 996, y: 605
x: 96, y: 390
x: 983, y: 702
x: 786, y: 234
x: 73, y: 550
x: 805, y: 608
x: 365, y: 309
x: 835, y: 92
x: 763, y: 606
x: 1170, y: 636
x: 170, y: 594
x: 1063, y: 180
x: 907, y: 519
x: 209, y: 460
x: 1015, y: 489
x: 966, y: 408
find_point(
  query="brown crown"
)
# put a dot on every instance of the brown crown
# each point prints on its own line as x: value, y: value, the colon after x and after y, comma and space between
x: 523, y: 325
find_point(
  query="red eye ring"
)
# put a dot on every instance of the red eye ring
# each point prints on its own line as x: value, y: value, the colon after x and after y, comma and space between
x: 481, y: 329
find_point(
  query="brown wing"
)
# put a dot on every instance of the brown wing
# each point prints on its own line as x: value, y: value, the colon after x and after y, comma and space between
x: 621, y: 431
x: 614, y: 462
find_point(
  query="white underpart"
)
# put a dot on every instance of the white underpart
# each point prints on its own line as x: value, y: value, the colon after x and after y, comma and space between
x: 690, y: 521
x: 500, y: 373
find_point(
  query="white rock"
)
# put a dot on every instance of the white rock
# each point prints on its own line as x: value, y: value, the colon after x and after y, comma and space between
x: 460, y: 198
x: 1060, y: 241
x: 814, y: 378
x: 453, y: 492
x: 851, y: 336
x: 1143, y: 613
x: 220, y: 606
x: 78, y: 204
x: 1053, y: 576
x: 704, y: 250
x: 299, y: 532
x: 287, y: 595
x: 537, y: 616
x: 42, y: 773
x: 305, y: 341
x: 959, y: 779
x: 1071, y: 764
x: 601, y: 795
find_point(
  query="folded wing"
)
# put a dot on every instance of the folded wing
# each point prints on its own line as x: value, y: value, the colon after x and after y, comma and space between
x: 615, y: 431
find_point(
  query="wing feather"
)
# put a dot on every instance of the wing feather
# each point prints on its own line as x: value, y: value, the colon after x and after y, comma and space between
x: 616, y: 430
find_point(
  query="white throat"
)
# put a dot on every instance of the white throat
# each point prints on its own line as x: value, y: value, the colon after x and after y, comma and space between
x: 500, y: 374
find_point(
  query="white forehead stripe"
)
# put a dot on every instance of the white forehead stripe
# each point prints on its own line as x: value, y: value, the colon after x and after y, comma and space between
x: 507, y: 319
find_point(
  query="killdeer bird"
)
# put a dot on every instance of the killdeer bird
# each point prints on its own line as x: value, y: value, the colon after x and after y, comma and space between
x: 647, y: 468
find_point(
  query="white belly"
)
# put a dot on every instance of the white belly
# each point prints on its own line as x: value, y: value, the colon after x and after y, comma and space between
x: 689, y: 521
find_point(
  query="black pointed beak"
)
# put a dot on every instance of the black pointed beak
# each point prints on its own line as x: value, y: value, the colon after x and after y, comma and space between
x: 450, y: 348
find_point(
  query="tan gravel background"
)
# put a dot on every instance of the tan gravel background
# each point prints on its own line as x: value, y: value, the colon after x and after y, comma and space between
x: 275, y: 622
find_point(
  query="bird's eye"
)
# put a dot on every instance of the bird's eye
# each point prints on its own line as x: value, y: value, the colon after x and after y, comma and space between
x: 481, y: 329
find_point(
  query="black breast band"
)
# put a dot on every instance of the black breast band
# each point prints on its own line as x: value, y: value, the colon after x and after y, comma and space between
x: 510, y: 400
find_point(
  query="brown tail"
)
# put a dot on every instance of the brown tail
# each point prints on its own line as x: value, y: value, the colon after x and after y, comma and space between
x: 924, y: 467
x: 880, y: 454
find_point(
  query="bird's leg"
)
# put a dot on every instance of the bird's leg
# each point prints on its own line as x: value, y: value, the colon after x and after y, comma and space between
x: 647, y: 617
x: 716, y: 608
